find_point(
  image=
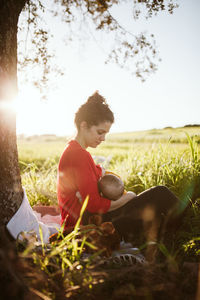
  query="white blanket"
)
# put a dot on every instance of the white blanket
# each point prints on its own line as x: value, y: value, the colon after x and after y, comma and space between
x: 25, y: 220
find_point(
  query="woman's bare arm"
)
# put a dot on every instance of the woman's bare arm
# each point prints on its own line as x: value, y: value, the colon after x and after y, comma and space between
x: 121, y: 201
x: 115, y: 203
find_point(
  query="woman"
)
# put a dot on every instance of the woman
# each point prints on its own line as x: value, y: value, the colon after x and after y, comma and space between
x: 77, y: 172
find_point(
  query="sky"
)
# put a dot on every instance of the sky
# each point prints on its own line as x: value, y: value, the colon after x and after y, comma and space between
x: 170, y: 97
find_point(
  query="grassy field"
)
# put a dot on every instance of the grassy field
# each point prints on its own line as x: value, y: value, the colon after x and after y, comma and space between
x: 143, y: 159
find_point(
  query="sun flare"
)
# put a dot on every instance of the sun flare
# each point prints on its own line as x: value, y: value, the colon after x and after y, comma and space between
x: 36, y: 116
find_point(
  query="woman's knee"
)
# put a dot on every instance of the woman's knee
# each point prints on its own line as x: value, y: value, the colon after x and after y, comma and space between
x: 167, y: 198
x: 160, y: 188
x: 158, y: 192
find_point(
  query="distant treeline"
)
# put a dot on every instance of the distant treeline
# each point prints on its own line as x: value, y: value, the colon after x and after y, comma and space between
x: 188, y: 125
x: 192, y: 125
x: 139, y: 134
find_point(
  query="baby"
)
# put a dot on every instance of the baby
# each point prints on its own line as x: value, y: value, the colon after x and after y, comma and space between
x: 111, y: 186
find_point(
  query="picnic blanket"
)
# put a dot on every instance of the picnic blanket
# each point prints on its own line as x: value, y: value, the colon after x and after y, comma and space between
x: 49, y: 215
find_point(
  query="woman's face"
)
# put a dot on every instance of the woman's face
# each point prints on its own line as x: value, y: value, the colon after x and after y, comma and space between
x: 95, y: 134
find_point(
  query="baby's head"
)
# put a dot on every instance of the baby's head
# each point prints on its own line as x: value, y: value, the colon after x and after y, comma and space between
x: 111, y: 186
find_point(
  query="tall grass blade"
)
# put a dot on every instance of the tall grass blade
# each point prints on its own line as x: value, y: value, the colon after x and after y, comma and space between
x: 42, y: 240
x: 83, y: 208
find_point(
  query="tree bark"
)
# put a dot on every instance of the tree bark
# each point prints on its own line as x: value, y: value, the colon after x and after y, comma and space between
x: 11, y: 193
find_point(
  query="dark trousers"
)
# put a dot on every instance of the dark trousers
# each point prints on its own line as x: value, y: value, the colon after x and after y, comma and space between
x: 144, y: 218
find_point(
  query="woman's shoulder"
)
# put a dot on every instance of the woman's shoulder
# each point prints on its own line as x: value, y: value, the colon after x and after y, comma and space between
x: 74, y: 150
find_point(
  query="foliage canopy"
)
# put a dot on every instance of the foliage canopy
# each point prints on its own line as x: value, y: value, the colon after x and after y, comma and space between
x: 136, y: 52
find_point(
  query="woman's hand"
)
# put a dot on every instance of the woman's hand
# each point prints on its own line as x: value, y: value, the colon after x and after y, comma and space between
x: 125, y: 198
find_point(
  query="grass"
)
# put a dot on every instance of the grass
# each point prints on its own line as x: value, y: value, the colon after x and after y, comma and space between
x: 139, y: 158
x: 143, y: 159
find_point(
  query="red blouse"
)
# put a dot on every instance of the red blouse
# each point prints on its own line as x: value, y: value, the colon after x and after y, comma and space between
x: 78, y: 172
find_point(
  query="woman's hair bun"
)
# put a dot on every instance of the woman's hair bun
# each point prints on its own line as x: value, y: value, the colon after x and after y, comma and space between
x: 96, y: 98
x: 94, y: 111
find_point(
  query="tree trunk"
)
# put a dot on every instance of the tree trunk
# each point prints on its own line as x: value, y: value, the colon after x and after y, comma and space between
x: 11, y: 193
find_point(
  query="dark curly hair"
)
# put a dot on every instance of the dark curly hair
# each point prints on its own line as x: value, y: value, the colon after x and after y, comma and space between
x: 94, y: 111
